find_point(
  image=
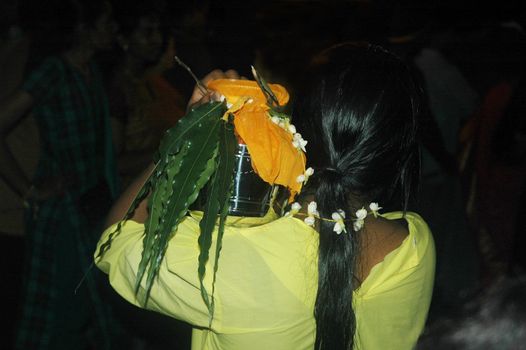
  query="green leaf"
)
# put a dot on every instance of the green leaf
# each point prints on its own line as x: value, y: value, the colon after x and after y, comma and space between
x: 218, y: 195
x: 157, y: 206
x: 170, y: 144
x: 227, y: 146
x: 169, y: 205
x: 174, y: 136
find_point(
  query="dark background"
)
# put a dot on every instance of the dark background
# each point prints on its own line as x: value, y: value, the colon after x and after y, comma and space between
x: 280, y: 37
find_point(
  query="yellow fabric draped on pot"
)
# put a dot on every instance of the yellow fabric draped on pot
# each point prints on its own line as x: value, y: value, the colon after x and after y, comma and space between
x: 274, y: 158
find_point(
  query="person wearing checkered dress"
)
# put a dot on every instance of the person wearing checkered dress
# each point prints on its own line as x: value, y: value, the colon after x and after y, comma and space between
x: 62, y: 304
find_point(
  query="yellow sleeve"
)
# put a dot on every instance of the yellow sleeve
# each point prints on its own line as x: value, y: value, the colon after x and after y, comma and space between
x: 121, y: 264
x: 264, y: 292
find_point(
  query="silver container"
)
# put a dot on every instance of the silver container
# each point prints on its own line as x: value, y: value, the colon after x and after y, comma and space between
x: 251, y: 196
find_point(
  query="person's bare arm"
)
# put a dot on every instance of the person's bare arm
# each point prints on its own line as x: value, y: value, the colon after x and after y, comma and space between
x: 11, y: 113
x: 123, y: 203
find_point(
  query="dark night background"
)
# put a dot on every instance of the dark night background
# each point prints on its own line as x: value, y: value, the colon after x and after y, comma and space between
x: 485, y: 42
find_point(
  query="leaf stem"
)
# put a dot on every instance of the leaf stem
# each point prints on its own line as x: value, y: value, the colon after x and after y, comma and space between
x: 200, y: 85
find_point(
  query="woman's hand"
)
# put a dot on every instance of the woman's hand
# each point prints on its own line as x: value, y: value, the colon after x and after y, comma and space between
x: 201, y: 96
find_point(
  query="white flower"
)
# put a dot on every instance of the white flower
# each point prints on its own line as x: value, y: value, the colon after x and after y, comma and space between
x: 292, y: 129
x: 229, y: 105
x: 303, y: 143
x: 312, y: 209
x: 310, y: 220
x: 336, y: 216
x: 374, y: 208
x: 357, y: 225
x: 305, y: 177
x: 297, y: 136
x: 275, y: 120
x: 361, y: 214
x: 339, y: 227
x: 299, y: 142
x: 282, y: 124
x: 294, y: 209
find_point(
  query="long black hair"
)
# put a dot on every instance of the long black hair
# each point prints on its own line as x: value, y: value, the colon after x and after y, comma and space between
x: 359, y: 113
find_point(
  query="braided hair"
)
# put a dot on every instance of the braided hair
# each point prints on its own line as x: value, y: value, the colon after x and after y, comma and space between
x: 359, y: 113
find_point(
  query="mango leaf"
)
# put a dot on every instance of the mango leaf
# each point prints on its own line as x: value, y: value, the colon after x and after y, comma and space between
x: 174, y: 136
x: 170, y: 144
x: 172, y: 204
x: 218, y: 195
x: 227, y: 146
x: 157, y: 204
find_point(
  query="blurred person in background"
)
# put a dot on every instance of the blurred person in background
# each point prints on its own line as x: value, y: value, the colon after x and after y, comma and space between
x: 143, y: 103
x: 66, y: 96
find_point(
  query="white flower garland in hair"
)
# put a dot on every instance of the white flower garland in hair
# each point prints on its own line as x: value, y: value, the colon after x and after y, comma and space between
x: 338, y: 217
x: 312, y: 211
x: 303, y: 178
x: 339, y: 226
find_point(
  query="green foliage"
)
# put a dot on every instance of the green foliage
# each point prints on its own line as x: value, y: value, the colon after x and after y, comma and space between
x: 218, y: 195
x: 186, y: 162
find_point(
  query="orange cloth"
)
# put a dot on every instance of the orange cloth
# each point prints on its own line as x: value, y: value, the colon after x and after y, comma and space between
x: 274, y: 158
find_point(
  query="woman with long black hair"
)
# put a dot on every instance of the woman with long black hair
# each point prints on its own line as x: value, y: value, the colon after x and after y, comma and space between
x: 331, y: 272
x: 362, y: 111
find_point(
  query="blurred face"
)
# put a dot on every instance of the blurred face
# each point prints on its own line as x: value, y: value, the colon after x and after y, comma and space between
x: 145, y: 42
x: 103, y: 32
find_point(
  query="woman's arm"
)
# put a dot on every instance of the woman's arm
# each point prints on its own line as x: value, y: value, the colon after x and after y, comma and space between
x: 11, y: 113
x: 123, y: 203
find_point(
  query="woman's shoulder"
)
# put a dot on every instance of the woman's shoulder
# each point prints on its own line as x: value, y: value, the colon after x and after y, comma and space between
x: 416, y: 224
x: 395, y: 238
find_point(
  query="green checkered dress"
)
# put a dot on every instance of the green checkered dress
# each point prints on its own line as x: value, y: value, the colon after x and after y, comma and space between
x: 75, y: 148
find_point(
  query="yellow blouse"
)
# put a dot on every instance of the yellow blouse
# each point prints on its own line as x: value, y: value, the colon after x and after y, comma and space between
x: 266, y: 284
